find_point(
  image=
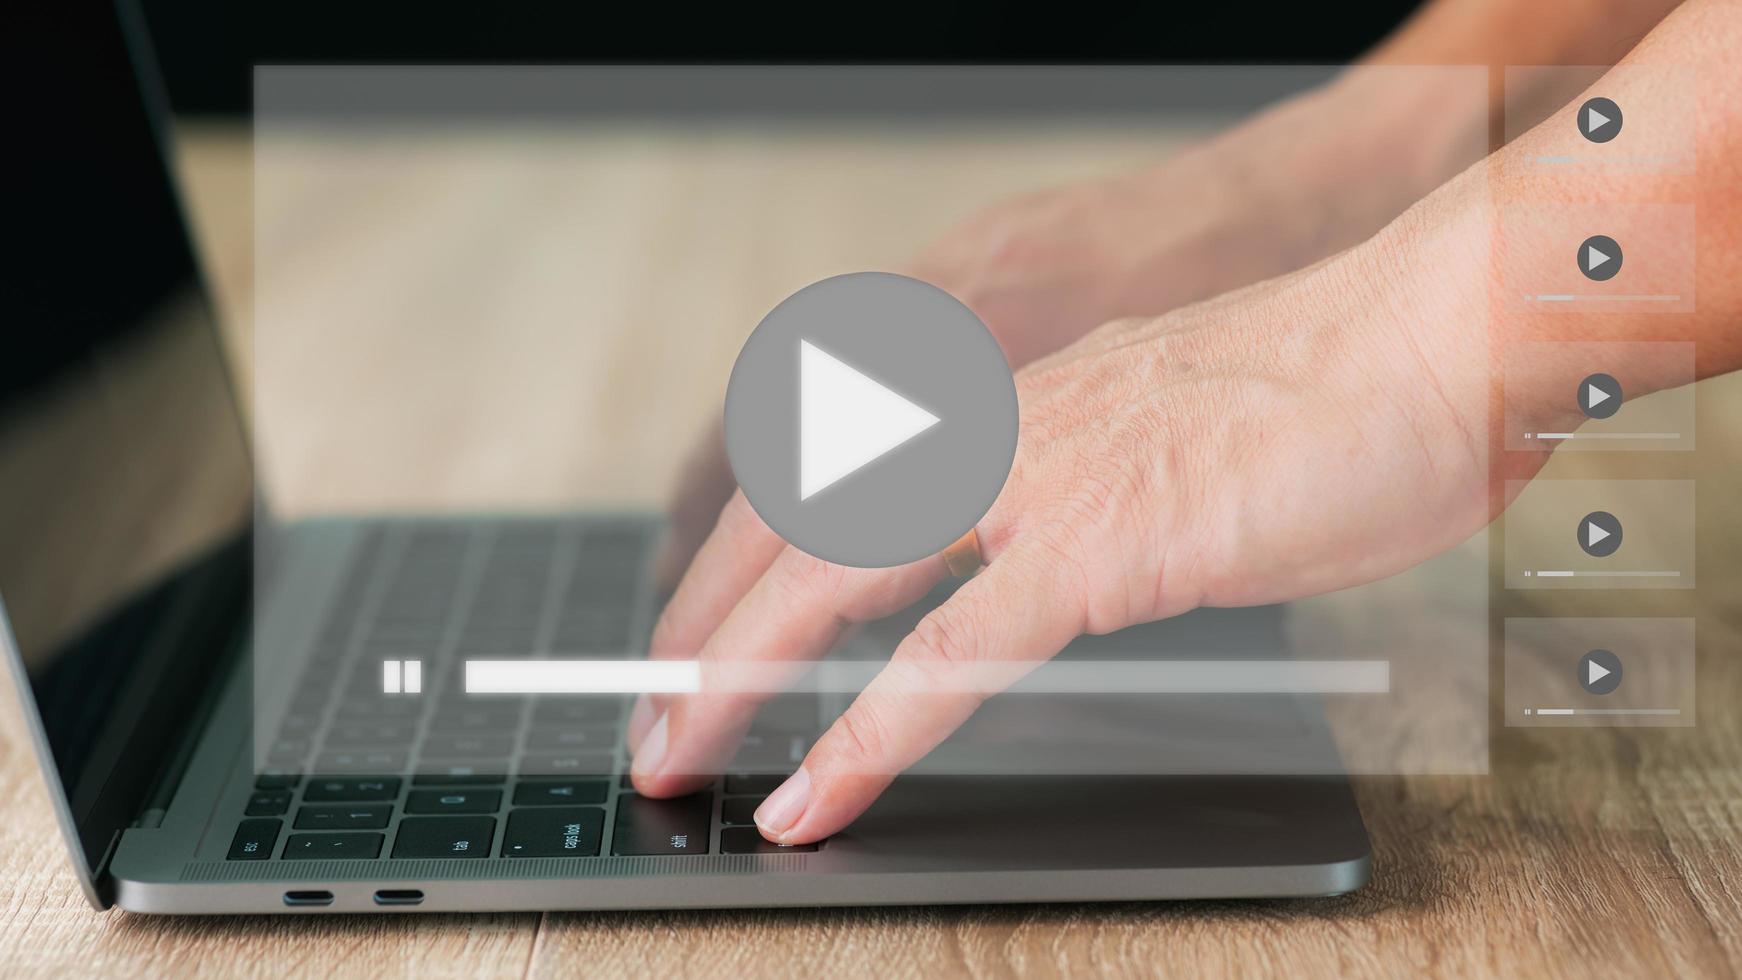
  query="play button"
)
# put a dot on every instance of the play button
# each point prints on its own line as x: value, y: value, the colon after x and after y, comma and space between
x: 871, y: 419
x: 1599, y: 120
x: 1600, y: 672
x: 1599, y: 258
x: 1599, y: 396
x: 846, y: 420
x: 1599, y: 534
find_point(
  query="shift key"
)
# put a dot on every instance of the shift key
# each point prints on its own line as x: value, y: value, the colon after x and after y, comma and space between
x: 650, y: 826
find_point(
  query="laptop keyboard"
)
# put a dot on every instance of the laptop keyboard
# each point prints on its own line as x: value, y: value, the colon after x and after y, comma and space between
x: 357, y: 774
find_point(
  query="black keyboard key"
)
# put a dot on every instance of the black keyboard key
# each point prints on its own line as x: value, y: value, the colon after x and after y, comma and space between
x: 268, y: 803
x: 749, y: 840
x: 469, y: 747
x: 569, y: 764
x: 254, y: 840
x: 277, y: 780
x: 754, y: 784
x: 371, y: 735
x: 453, y: 801
x: 565, y: 739
x: 444, y: 837
x: 371, y: 761
x: 313, y: 847
x: 649, y: 826
x: 740, y: 809
x: 476, y: 721
x: 355, y: 816
x: 569, y: 831
x: 380, y: 709
x: 563, y: 712
x: 350, y: 789
x: 431, y: 774
x: 557, y: 792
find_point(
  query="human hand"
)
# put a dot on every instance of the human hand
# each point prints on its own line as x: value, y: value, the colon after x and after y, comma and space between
x: 1311, y: 175
x: 1310, y: 434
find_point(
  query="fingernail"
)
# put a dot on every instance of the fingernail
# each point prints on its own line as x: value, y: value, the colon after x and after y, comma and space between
x: 785, y: 805
x: 640, y: 721
x: 652, y: 751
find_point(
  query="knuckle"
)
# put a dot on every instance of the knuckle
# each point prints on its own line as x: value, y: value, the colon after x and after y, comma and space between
x: 862, y: 735
x: 806, y: 578
x: 944, y: 637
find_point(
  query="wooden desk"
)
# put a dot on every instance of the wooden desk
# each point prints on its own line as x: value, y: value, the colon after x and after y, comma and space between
x: 1609, y: 851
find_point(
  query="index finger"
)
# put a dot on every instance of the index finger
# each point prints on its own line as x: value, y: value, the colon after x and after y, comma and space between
x: 794, y: 613
x: 1020, y: 611
x: 736, y: 553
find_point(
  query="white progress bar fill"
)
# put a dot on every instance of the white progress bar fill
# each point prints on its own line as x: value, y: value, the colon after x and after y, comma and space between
x: 1222, y: 676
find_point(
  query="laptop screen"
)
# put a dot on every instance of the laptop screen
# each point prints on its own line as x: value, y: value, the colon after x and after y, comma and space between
x: 124, y: 476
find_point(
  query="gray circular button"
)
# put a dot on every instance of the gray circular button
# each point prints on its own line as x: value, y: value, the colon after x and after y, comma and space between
x: 1600, y: 672
x: 1599, y: 396
x: 871, y: 419
x: 1599, y: 258
x: 1599, y: 534
x: 1599, y: 120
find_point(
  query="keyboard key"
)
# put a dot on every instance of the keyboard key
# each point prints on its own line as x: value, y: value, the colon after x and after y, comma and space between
x: 444, y: 837
x: 372, y: 761
x: 650, y: 826
x: 310, y: 847
x: 561, y: 791
x: 749, y: 840
x: 740, y: 809
x: 292, y: 747
x: 322, y: 789
x: 565, y: 712
x: 402, y: 708
x: 764, y: 753
x: 560, y: 739
x: 453, y: 801
x: 481, y: 722
x: 569, y: 831
x: 277, y: 780
x: 356, y: 816
x: 470, y: 774
x: 569, y: 764
x: 269, y: 803
x: 371, y: 735
x: 254, y: 840
x: 754, y: 784
x: 469, y: 746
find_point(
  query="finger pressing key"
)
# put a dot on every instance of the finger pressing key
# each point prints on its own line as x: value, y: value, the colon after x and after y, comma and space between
x: 1016, y: 613
x: 793, y: 615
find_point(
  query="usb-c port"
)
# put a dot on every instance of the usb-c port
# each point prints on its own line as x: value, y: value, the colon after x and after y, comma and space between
x: 308, y: 898
x: 399, y: 896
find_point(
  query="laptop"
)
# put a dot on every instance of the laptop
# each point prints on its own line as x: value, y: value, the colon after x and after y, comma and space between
x: 138, y: 572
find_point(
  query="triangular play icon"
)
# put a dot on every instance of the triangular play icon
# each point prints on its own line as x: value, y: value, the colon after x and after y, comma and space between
x: 846, y: 420
x: 1595, y: 120
x: 1594, y: 258
x: 1594, y: 534
x: 1595, y: 672
x: 1595, y: 396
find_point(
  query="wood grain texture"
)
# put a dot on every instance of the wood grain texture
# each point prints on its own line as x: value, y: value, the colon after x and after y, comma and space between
x: 1584, y: 852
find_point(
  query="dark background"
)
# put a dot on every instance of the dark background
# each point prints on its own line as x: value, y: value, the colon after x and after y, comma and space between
x: 207, y: 47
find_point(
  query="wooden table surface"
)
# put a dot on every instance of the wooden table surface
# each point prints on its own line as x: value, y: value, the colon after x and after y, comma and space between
x: 1593, y: 851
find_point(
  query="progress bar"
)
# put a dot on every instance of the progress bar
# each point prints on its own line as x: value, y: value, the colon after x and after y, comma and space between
x: 851, y: 677
x: 1561, y: 573
x: 1603, y: 711
x: 1605, y: 298
x: 1602, y: 435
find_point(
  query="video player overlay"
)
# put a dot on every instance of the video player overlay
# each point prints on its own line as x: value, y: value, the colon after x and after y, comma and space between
x: 497, y: 306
